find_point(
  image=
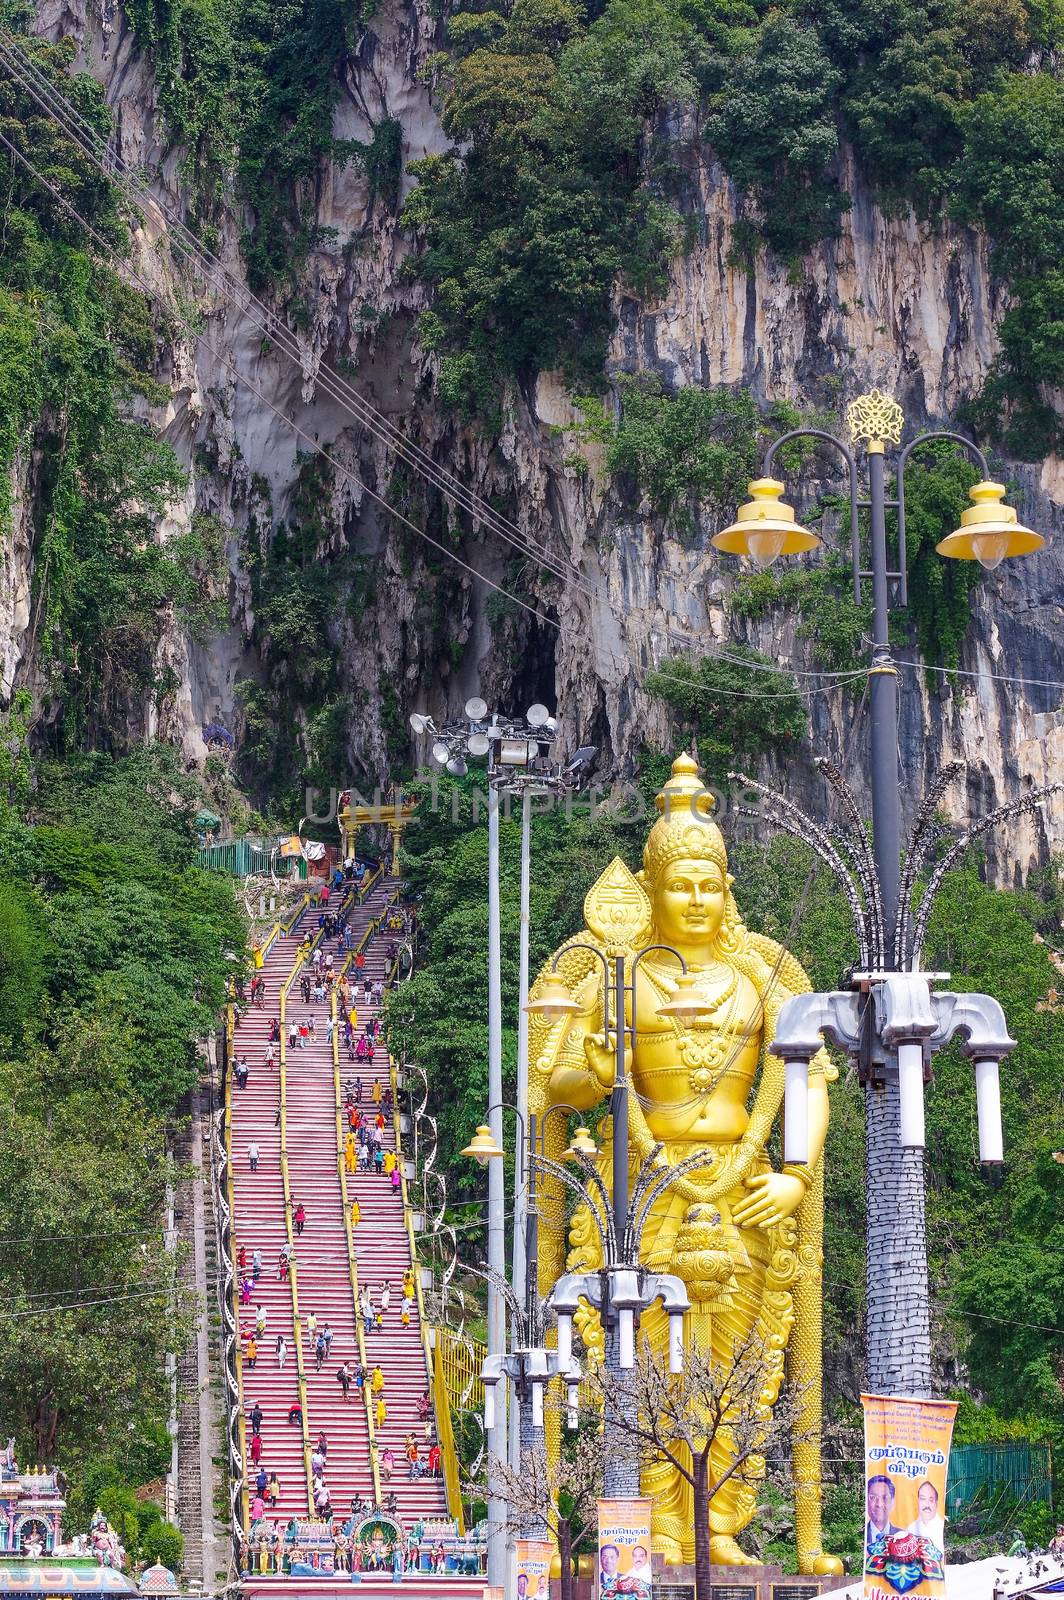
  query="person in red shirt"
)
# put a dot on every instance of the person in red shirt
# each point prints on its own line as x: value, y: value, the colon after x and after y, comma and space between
x: 299, y: 1217
x: 256, y: 1448
x: 434, y: 1461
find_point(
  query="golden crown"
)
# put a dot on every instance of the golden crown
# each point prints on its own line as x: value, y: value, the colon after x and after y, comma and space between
x: 685, y: 828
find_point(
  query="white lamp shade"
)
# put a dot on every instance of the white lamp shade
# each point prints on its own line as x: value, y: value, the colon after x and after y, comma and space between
x: 676, y: 1343
x: 911, y: 1094
x: 626, y: 1339
x: 988, y: 1100
x: 565, y: 1340
x: 796, y: 1113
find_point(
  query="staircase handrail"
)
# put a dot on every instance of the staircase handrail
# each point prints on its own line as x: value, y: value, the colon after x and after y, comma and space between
x: 230, y: 1027
x: 304, y: 902
x: 352, y: 1261
x: 293, y: 1269
x: 442, y: 1412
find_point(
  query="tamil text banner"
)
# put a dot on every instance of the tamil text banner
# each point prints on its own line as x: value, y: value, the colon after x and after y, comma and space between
x: 906, y: 1458
x: 533, y: 1569
x: 624, y: 1548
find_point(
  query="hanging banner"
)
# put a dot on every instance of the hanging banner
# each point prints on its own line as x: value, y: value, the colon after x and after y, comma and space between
x: 533, y: 1569
x: 906, y: 1458
x: 624, y: 1548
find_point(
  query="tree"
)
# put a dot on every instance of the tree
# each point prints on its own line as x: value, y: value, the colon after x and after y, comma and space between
x: 559, y: 1498
x: 715, y: 1401
x: 90, y: 1305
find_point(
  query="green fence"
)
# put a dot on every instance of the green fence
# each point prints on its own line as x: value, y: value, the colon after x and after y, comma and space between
x: 243, y: 859
x: 986, y: 1479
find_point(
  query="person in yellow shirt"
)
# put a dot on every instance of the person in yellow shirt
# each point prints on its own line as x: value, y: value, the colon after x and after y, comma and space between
x: 408, y: 1284
x: 377, y: 1382
x: 380, y: 1416
x: 376, y: 1091
x: 356, y: 1213
x: 349, y: 1152
x: 389, y: 1162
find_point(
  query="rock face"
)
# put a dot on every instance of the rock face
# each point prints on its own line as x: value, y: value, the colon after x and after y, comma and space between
x: 891, y: 303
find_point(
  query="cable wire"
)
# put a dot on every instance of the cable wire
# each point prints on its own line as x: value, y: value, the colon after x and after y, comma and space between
x: 54, y: 104
x: 30, y: 77
x: 345, y: 471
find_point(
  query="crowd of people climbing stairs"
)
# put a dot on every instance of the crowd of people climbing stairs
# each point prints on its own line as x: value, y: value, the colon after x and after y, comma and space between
x: 337, y: 991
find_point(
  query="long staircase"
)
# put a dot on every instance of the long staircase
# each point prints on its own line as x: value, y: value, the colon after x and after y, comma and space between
x: 296, y: 1114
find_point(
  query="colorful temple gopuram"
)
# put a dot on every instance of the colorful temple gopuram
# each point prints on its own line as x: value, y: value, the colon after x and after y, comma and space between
x: 33, y: 1557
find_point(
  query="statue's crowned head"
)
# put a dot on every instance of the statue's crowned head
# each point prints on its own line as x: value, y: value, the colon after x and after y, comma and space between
x: 685, y: 865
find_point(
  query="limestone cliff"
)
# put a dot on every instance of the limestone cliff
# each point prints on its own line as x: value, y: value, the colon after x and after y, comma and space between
x: 891, y: 302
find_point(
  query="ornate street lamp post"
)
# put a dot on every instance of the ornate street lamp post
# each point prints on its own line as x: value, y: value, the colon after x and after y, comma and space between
x: 623, y: 1289
x: 619, y: 1291
x: 891, y: 1022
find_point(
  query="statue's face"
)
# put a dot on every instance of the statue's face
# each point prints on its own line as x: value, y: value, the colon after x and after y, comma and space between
x: 689, y: 902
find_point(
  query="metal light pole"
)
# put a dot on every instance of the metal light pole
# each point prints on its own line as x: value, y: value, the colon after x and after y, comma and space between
x: 620, y: 1291
x: 497, y: 1540
x: 898, y: 1023
x: 519, y: 762
x: 623, y: 1288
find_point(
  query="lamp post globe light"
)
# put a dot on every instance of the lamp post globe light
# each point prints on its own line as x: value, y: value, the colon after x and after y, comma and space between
x: 889, y: 1020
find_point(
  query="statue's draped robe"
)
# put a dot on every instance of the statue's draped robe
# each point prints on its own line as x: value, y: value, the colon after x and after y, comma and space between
x: 741, y: 1280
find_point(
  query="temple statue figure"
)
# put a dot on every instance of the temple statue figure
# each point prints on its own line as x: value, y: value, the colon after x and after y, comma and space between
x: 746, y: 1239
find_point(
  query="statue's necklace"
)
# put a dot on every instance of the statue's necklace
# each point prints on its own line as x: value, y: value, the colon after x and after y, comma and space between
x: 706, y: 1048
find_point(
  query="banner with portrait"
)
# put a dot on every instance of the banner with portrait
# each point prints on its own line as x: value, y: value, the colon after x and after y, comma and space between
x: 533, y: 1569
x: 623, y: 1549
x: 906, y: 1452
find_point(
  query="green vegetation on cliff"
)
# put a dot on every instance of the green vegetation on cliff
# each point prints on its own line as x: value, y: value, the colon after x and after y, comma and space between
x: 573, y: 166
x: 78, y: 354
x: 550, y: 200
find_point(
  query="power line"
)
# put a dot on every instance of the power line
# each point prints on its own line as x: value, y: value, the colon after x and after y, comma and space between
x: 56, y: 106
x: 29, y: 77
x: 86, y: 1305
x: 47, y: 95
x: 339, y: 466
x: 346, y: 471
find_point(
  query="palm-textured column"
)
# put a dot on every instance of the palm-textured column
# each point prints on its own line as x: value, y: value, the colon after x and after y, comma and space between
x: 897, y: 1283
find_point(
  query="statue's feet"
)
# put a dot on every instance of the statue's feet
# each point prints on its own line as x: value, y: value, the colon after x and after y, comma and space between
x: 670, y: 1550
x: 823, y: 1565
x: 724, y: 1552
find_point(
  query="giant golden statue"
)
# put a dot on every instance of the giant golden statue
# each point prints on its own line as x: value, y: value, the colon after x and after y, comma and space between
x: 745, y: 1239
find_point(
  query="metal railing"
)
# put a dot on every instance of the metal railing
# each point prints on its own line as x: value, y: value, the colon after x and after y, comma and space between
x: 235, y: 1373
x: 440, y: 1400
x: 293, y: 1265
x: 242, y: 859
x: 461, y: 1361
x: 352, y: 1260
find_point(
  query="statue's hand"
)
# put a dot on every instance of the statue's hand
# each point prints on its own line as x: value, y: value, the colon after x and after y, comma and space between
x: 602, y: 1058
x: 772, y: 1197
